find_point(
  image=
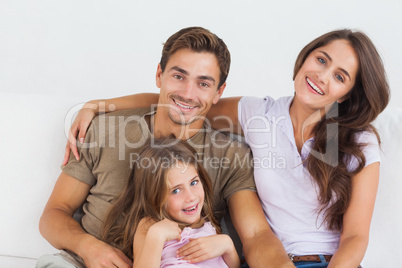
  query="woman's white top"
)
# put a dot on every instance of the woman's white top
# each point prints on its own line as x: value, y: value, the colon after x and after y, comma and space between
x: 287, y: 192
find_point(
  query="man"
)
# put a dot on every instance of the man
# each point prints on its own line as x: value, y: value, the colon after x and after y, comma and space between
x: 191, y: 77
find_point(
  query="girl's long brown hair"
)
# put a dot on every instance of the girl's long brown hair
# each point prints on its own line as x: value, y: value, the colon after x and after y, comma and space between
x: 147, y: 191
x: 337, y: 146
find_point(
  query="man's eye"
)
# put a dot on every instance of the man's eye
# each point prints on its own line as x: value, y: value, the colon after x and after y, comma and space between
x: 178, y: 77
x: 204, y: 85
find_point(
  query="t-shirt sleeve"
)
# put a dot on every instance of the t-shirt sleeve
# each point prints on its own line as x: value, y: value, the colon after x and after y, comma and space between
x: 249, y: 107
x: 371, y: 150
x: 82, y: 169
x: 241, y: 172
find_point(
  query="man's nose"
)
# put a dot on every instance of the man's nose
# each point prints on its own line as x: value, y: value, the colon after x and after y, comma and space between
x: 190, y: 90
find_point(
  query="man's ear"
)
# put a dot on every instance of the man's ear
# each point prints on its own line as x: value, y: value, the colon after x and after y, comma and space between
x: 219, y: 93
x: 158, y: 76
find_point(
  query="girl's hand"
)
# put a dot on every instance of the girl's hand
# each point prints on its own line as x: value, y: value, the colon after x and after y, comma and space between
x: 209, y: 247
x: 166, y: 230
x: 79, y: 129
x: 149, y: 239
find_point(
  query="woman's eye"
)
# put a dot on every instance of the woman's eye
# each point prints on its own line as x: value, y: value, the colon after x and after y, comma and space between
x: 194, y: 182
x: 339, y: 77
x: 175, y: 191
x: 321, y: 60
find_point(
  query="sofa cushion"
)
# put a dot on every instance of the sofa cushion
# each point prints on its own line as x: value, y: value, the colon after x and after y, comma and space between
x: 386, y: 232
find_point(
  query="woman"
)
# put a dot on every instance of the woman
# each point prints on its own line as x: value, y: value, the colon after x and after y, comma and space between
x: 316, y: 153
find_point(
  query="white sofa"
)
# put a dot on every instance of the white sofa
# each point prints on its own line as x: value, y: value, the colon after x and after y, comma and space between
x: 31, y: 151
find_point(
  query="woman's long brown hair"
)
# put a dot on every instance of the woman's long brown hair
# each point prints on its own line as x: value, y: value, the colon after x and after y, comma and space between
x: 337, y: 146
x: 147, y: 191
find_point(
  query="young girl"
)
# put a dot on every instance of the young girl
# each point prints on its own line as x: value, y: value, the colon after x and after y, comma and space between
x: 167, y: 203
x: 319, y: 191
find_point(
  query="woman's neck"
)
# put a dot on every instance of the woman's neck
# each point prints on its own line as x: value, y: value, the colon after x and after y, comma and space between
x: 303, y: 121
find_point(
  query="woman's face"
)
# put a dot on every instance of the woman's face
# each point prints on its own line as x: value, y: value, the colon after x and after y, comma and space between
x: 327, y: 75
x: 186, y: 194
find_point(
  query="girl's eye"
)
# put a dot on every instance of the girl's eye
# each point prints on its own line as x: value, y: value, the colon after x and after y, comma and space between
x: 194, y: 182
x: 339, y: 77
x: 175, y: 191
x: 321, y: 60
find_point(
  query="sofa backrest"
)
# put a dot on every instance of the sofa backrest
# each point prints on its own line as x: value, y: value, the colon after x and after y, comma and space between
x: 31, y: 151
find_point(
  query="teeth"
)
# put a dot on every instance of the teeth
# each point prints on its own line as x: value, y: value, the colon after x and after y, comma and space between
x: 314, y: 87
x: 183, y: 106
x: 190, y: 209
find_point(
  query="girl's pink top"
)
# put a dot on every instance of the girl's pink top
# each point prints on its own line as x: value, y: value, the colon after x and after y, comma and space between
x: 169, y: 249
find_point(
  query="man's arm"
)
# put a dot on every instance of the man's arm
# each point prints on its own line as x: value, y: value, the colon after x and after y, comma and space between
x: 260, y: 245
x: 63, y: 232
x: 92, y: 108
x: 222, y: 116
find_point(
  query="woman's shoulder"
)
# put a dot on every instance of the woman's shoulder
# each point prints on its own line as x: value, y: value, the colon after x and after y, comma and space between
x: 256, y: 101
x: 368, y: 137
x: 369, y: 144
x: 262, y: 105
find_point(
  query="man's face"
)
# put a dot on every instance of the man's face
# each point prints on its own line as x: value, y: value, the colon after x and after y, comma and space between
x: 189, y: 86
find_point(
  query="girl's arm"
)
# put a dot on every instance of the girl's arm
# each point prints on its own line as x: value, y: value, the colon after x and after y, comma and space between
x: 230, y: 256
x: 149, y: 239
x: 222, y: 116
x: 357, y: 218
x: 209, y: 247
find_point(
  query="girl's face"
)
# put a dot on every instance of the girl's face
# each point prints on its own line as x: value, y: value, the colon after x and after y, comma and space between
x: 186, y: 194
x: 327, y: 75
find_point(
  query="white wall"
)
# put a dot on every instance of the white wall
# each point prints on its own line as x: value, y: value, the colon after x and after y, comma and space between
x: 98, y: 48
x: 75, y: 50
